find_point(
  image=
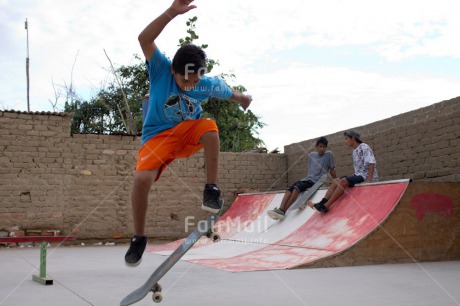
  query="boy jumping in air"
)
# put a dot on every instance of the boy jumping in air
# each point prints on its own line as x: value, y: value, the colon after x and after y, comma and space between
x: 365, y: 171
x: 319, y: 163
x: 172, y: 127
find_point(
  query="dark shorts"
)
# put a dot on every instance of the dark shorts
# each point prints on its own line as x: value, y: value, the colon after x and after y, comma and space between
x: 301, y: 186
x: 353, y: 180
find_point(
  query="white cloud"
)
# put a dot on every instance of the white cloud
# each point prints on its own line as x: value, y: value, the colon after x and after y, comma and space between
x: 246, y: 37
x: 399, y: 29
x: 327, y: 99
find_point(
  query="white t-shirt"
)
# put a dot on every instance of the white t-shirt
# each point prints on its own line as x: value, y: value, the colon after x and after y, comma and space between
x: 362, y: 157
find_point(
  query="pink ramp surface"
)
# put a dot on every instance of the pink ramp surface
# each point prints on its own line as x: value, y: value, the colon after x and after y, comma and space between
x: 352, y: 218
x: 245, y: 210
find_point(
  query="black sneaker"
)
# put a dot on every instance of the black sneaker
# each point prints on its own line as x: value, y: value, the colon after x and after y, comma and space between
x: 136, y: 249
x: 211, y: 199
x: 319, y: 207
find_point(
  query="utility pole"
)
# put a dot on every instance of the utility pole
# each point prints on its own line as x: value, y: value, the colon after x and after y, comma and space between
x: 27, y: 67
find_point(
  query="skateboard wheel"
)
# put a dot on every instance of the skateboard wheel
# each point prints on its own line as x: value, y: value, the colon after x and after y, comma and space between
x: 302, y: 207
x: 157, y: 297
x: 215, y: 237
x: 157, y: 288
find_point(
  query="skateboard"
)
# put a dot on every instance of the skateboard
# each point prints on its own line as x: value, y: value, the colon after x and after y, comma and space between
x: 205, y: 227
x: 301, y: 202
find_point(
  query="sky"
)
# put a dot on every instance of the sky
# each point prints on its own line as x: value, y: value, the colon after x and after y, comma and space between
x: 313, y: 67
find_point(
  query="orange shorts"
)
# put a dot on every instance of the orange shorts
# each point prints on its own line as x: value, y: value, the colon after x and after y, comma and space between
x: 180, y: 141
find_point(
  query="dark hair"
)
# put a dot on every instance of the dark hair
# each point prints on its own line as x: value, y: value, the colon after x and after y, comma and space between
x: 353, y: 133
x: 189, y: 58
x: 322, y: 140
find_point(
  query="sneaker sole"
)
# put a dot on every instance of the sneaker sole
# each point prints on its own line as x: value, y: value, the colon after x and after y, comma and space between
x: 213, y: 210
x: 133, y: 265
x: 321, y: 212
x: 275, y: 216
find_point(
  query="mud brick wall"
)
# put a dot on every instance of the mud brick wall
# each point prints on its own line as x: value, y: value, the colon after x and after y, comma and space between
x: 423, y: 144
x: 51, y: 180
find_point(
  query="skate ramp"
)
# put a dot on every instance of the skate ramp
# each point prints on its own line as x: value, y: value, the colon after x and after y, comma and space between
x: 252, y: 241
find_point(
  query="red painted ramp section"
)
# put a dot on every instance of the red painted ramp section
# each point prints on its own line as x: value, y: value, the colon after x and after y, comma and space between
x: 350, y: 219
x: 353, y: 217
x: 243, y: 212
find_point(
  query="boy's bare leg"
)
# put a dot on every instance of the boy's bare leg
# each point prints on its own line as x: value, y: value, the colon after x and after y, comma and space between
x: 210, y: 141
x: 212, y: 201
x: 285, y: 199
x: 143, y: 180
x: 329, y: 192
x: 292, y: 198
x: 338, y: 192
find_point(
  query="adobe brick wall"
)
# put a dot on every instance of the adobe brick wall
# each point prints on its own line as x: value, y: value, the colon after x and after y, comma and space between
x: 423, y: 144
x: 82, y: 183
x: 50, y: 179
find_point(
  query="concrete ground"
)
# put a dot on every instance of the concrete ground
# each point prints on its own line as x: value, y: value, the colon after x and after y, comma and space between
x: 96, y: 275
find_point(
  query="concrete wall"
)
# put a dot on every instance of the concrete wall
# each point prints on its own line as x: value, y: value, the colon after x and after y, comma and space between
x: 423, y: 144
x: 82, y: 183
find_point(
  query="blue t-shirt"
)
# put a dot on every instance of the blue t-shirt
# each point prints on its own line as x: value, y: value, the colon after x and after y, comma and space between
x: 168, y: 104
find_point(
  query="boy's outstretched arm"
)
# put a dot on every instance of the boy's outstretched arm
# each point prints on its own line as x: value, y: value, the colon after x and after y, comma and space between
x: 151, y: 32
x: 244, y: 100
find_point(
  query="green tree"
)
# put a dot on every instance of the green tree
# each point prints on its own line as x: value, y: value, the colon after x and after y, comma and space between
x: 88, y: 116
x: 135, y: 83
x: 105, y: 112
